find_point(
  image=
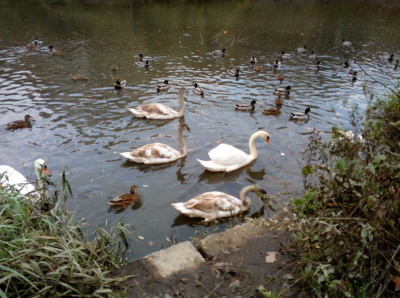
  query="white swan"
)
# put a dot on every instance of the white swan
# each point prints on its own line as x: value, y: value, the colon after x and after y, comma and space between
x: 215, y: 204
x: 160, y: 111
x: 226, y: 158
x: 11, y: 177
x: 158, y: 153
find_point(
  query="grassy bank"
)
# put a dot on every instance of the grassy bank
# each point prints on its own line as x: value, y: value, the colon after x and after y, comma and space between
x: 44, y: 254
x: 348, y: 235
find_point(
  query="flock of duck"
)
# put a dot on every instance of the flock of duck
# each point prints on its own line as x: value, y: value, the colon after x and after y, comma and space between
x: 223, y: 158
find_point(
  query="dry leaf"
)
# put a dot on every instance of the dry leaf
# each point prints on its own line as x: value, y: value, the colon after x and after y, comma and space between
x: 141, y: 237
x: 225, y: 267
x: 271, y: 257
x: 396, y: 281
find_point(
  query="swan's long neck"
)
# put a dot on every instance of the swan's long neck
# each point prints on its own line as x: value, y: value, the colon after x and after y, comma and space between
x: 181, y: 103
x: 246, y: 201
x: 39, y: 175
x: 253, y: 150
x: 182, y: 144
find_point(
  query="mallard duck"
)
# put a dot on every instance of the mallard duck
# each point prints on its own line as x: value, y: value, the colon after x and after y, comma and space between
x: 46, y: 50
x: 246, y: 107
x: 258, y: 67
x: 301, y: 50
x: 18, y: 124
x: 300, y: 116
x: 286, y: 56
x: 234, y: 73
x: 11, y: 177
x: 158, y: 153
x: 146, y: 58
x: 352, y: 76
x: 346, y: 64
x: 346, y: 43
x: 391, y: 58
x: 314, y: 67
x: 272, y: 111
x: 160, y: 111
x: 213, y: 205
x: 226, y: 158
x: 313, y: 55
x: 163, y: 86
x: 253, y: 60
x: 283, y: 91
x: 198, y: 90
x: 280, y: 77
x: 119, y: 84
x: 36, y: 41
x: 114, y: 67
x: 143, y: 64
x: 276, y: 64
x: 77, y: 77
x: 396, y: 64
x: 219, y: 52
x: 32, y: 47
x: 126, y: 199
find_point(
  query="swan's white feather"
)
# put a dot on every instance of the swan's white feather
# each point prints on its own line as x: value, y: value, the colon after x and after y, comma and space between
x: 12, y: 177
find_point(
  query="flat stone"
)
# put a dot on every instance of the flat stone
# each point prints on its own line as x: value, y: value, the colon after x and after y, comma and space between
x: 182, y: 256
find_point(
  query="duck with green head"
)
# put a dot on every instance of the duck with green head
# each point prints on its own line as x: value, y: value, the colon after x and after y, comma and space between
x: 119, y: 84
x: 246, y: 107
x: 163, y: 86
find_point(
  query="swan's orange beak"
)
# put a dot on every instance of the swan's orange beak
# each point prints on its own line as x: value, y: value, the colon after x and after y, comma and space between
x: 46, y: 171
x: 268, y: 141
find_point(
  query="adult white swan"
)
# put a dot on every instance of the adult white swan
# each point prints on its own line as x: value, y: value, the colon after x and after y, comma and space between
x: 157, y: 153
x: 226, y: 158
x: 160, y: 111
x: 11, y: 177
x: 215, y: 204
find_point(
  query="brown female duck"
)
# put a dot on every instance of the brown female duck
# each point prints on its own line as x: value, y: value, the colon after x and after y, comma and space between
x: 125, y: 200
x: 20, y: 123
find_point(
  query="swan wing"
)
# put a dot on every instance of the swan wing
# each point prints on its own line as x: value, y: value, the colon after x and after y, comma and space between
x: 225, y: 154
x: 12, y: 177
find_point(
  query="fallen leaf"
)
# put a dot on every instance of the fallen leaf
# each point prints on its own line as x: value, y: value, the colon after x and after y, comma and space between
x: 396, y: 281
x: 226, y: 267
x: 141, y: 237
x: 271, y: 257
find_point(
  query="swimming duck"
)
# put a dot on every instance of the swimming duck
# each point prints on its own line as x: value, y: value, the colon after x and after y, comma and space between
x: 272, y: 111
x: 283, y: 91
x: 11, y: 177
x: 396, y: 64
x: 246, y: 107
x: 219, y: 52
x: 143, y: 64
x: 163, y: 86
x: 126, y: 199
x: 234, y: 73
x: 346, y: 43
x: 158, y: 153
x: 258, y: 67
x: 346, y: 64
x: 119, y: 84
x: 114, y: 67
x: 198, y: 90
x: 18, y: 124
x: 301, y: 50
x: 213, y: 205
x: 286, y: 56
x: 253, y: 60
x: 391, y: 58
x: 352, y: 76
x: 36, y: 41
x: 315, y: 67
x: 280, y: 77
x: 313, y: 55
x: 146, y: 58
x: 226, y: 158
x: 300, y: 116
x: 77, y: 77
x: 32, y: 47
x: 158, y: 110
x: 276, y: 64
x: 46, y: 50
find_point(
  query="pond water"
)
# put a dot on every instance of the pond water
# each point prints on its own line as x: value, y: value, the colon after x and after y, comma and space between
x: 83, y: 124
